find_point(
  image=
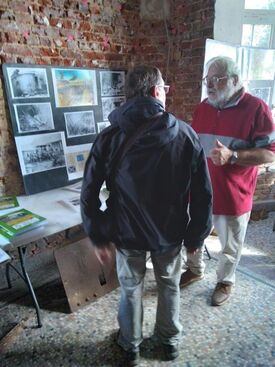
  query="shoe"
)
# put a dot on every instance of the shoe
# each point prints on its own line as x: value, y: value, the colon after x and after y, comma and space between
x: 171, y: 352
x: 188, y: 277
x: 213, y: 232
x: 221, y: 294
x: 132, y: 357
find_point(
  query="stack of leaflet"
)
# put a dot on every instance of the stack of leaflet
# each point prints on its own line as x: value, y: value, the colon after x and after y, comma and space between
x: 7, y: 203
x: 18, y: 222
x: 15, y: 222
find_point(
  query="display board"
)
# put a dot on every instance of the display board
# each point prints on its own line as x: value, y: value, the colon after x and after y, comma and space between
x: 56, y: 114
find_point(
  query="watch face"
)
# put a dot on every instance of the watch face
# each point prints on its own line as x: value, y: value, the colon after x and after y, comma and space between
x: 234, y: 158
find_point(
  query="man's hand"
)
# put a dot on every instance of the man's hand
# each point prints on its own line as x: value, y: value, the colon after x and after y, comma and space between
x: 192, y: 250
x: 220, y: 155
x: 104, y: 253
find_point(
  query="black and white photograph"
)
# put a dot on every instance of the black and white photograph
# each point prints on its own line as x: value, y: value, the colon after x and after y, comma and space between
x: 109, y: 104
x: 102, y: 125
x: 28, y: 82
x: 112, y: 83
x: 79, y: 123
x: 41, y: 152
x: 32, y: 117
x: 76, y: 156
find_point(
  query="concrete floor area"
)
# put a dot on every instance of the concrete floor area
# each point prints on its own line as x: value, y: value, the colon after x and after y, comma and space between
x: 240, y: 333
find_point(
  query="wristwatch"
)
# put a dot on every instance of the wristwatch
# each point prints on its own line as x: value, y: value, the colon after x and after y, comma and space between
x: 234, y: 157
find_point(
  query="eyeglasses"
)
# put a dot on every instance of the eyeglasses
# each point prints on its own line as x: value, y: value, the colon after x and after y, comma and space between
x: 213, y: 80
x: 165, y: 87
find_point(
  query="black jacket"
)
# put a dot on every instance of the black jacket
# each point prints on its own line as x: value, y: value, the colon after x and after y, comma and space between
x: 161, y: 193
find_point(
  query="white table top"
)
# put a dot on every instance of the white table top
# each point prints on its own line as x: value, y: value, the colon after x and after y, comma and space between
x: 51, y: 205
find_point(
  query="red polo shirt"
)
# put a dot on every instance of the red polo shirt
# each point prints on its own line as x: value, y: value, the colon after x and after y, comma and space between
x: 247, y: 124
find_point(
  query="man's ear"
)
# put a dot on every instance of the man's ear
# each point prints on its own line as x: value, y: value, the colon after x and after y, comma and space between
x: 235, y: 80
x: 154, y: 91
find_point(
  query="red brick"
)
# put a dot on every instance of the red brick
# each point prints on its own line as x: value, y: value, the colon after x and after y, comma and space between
x: 51, y: 52
x: 84, y: 26
x: 67, y: 24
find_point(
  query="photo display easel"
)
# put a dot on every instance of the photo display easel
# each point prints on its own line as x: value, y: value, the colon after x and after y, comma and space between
x: 56, y: 114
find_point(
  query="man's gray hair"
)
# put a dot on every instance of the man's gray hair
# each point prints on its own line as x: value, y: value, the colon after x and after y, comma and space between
x: 226, y: 66
x: 140, y: 80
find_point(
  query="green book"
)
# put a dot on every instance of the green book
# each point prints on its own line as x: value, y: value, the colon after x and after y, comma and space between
x: 18, y: 222
x: 8, y: 202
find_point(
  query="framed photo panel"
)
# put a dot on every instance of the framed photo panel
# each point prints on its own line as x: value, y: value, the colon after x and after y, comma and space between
x: 56, y: 114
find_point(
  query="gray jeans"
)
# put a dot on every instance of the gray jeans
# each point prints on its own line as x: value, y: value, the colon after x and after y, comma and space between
x: 131, y: 268
x: 231, y: 231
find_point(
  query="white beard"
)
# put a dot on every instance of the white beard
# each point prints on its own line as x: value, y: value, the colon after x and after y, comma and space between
x: 224, y: 95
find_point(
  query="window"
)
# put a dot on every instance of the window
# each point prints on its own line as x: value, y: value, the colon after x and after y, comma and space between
x: 259, y: 4
x: 258, y: 24
x: 258, y: 62
x: 258, y: 35
x: 256, y: 66
x: 249, y: 26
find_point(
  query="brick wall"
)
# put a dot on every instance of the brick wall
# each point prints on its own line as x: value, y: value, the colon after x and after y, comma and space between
x: 265, y: 189
x: 106, y: 34
x: 192, y: 24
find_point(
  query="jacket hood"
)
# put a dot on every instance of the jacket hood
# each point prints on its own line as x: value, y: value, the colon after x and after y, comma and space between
x: 137, y: 110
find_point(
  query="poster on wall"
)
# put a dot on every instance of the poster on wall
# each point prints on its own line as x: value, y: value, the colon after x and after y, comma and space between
x: 28, y: 82
x: 80, y: 123
x: 56, y: 114
x: 102, y: 125
x: 109, y: 104
x: 76, y: 157
x: 38, y: 153
x: 32, y: 117
x: 74, y: 87
x: 112, y: 83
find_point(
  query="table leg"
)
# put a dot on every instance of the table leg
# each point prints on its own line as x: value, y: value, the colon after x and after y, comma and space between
x: 8, y: 275
x: 21, y: 251
x: 208, y: 254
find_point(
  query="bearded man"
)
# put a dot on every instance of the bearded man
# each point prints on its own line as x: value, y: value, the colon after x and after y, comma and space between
x: 237, y: 133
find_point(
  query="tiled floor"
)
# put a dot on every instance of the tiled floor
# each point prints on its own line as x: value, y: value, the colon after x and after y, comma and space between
x: 239, y: 334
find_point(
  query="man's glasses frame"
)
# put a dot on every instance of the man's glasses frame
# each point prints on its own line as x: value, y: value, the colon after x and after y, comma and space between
x: 213, y: 80
x: 166, y: 87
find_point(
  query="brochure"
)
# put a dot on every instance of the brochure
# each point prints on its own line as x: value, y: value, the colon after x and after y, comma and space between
x: 4, y: 256
x: 75, y: 187
x: 4, y: 241
x: 72, y: 203
x: 19, y: 221
x: 8, y: 202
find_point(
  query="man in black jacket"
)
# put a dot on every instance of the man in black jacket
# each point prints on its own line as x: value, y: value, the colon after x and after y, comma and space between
x: 160, y: 197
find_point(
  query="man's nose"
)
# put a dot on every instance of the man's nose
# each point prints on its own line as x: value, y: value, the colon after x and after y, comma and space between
x: 209, y: 83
